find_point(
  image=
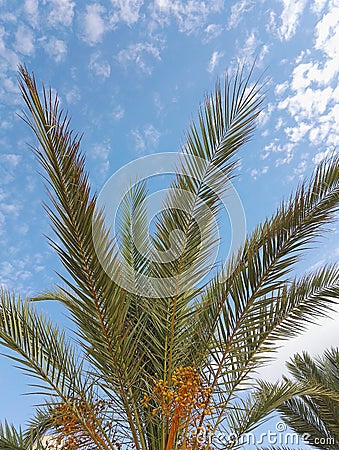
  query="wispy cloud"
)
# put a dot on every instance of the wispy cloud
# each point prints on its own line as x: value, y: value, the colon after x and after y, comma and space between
x: 214, y: 61
x: 281, y: 88
x: 318, y: 5
x: 100, y: 154
x: 238, y: 10
x: 73, y: 95
x: 290, y: 15
x: 24, y: 40
x: 139, y: 55
x: 99, y: 66
x: 127, y: 11
x: 146, y: 138
x: 10, y: 208
x: 252, y: 49
x: 9, y: 56
x: 312, y: 100
x: 93, y: 24
x: 55, y: 48
x: 320, y: 156
x: 14, y: 272
x: 255, y: 173
x: 212, y: 31
x: 61, y: 12
x: 283, y: 153
x: 32, y: 10
x: 11, y: 159
x: 118, y: 112
x: 190, y: 16
x: 327, y: 33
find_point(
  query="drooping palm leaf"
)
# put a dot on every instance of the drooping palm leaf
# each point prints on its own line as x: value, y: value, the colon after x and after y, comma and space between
x: 316, y: 415
x: 11, y: 438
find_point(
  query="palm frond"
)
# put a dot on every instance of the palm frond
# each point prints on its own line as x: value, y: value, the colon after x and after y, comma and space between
x: 244, y: 416
x: 316, y: 415
x: 255, y: 280
x: 225, y: 122
x: 39, y: 347
x: 11, y: 438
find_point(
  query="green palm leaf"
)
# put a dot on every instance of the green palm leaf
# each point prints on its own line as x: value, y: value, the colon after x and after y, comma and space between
x: 256, y: 302
x: 316, y: 415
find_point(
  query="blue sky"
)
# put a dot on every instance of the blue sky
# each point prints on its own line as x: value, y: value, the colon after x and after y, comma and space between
x: 132, y: 74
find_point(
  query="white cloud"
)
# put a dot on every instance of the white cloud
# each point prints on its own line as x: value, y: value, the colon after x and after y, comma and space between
x: 251, y: 43
x: 255, y: 173
x: 10, y: 208
x: 100, y: 153
x: 159, y: 106
x: 99, y: 67
x: 265, y: 115
x: 327, y: 33
x: 126, y: 11
x: 24, y: 40
x: 320, y: 156
x: 11, y: 273
x: 55, y: 48
x: 318, y: 5
x: 190, y: 16
x: 61, y: 12
x: 9, y: 56
x: 325, y: 131
x: 6, y: 124
x: 321, y: 73
x: 138, y: 54
x: 249, y: 50
x: 308, y: 103
x: 292, y: 10
x: 214, y: 60
x: 10, y: 158
x: 212, y: 31
x: 146, y: 139
x: 73, y: 95
x: 118, y: 112
x: 237, y: 12
x: 9, y: 17
x: 32, y: 11
x: 301, y: 168
x: 311, y: 109
x: 296, y: 134
x: 281, y: 88
x: 279, y: 124
x: 311, y: 96
x: 94, y: 24
x: 285, y: 152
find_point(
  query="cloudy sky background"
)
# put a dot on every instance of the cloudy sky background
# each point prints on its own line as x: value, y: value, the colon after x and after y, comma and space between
x: 132, y: 74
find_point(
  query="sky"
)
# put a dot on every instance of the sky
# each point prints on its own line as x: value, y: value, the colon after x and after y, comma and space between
x: 132, y: 74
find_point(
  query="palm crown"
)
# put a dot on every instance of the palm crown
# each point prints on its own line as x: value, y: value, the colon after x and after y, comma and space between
x: 170, y: 369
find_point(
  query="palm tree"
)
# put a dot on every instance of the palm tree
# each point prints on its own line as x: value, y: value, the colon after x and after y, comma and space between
x: 315, y: 417
x: 171, y: 369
